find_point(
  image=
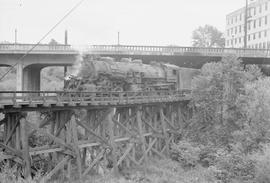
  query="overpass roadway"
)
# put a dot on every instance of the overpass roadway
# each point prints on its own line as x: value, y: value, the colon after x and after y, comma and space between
x: 181, y: 56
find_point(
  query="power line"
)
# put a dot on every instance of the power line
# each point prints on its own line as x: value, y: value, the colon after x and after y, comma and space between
x: 61, y: 20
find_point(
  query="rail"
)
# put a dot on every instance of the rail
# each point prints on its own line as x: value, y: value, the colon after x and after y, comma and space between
x: 175, y: 50
x: 39, y: 48
x: 60, y: 98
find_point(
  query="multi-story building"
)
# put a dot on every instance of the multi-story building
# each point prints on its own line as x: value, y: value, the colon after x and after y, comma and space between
x: 258, y: 26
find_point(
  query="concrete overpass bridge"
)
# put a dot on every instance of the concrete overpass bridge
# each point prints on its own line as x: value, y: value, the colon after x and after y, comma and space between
x: 44, y: 55
x: 181, y: 56
x: 29, y: 67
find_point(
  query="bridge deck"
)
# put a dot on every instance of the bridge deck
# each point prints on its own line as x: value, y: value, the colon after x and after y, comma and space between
x: 42, y: 100
x: 37, y: 49
x: 176, y: 51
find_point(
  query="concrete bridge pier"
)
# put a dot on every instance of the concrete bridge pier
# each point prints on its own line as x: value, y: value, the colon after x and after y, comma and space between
x: 19, y: 77
x: 28, y: 77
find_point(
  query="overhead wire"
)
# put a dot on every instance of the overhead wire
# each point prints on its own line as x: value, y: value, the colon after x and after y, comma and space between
x: 43, y: 37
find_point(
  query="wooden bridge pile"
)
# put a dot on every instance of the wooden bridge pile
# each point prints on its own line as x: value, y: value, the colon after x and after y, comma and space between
x: 83, y: 133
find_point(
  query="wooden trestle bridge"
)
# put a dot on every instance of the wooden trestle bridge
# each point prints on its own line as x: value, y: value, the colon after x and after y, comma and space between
x: 85, y: 131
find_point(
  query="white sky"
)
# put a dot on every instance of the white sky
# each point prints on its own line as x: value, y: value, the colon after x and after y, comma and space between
x: 140, y: 22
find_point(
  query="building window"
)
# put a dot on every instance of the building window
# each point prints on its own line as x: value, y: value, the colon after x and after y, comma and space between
x: 228, y: 32
x: 265, y: 33
x: 232, y: 21
x: 254, y: 10
x: 260, y: 34
x: 254, y: 36
x: 240, y: 17
x: 254, y: 24
x: 264, y: 45
x: 260, y: 45
x: 260, y: 22
x: 235, y: 40
x: 266, y: 6
x: 249, y: 37
x: 249, y: 25
x: 240, y: 40
x: 235, y: 19
x: 260, y: 8
x: 240, y: 28
x: 235, y: 30
x: 231, y: 31
x: 265, y: 20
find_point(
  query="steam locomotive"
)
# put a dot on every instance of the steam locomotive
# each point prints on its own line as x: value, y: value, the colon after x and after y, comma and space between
x: 106, y: 74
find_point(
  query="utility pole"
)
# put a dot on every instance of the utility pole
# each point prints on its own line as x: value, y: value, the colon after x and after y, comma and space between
x: 118, y: 38
x: 15, y: 36
x: 245, y: 25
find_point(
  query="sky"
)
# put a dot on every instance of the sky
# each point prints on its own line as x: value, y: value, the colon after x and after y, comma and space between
x: 140, y: 22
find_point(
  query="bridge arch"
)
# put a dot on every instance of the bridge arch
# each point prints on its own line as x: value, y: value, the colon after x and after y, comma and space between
x: 31, y: 76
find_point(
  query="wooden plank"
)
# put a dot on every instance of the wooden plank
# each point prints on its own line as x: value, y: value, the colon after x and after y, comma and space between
x: 130, y: 146
x: 122, y: 126
x: 131, y: 158
x: 56, y: 168
x: 95, y: 161
x: 12, y: 150
x: 75, y: 140
x: 68, y: 140
x: 149, y: 148
x: 158, y: 153
x: 142, y: 138
x: 25, y: 148
x: 12, y: 131
x: 112, y: 143
x: 163, y: 124
x: 170, y: 124
x: 152, y: 128
x: 87, y: 128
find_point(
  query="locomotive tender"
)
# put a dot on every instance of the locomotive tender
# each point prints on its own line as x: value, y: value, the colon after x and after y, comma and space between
x: 105, y: 74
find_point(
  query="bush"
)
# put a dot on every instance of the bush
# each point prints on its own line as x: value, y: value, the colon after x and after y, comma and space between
x: 186, y: 153
x: 262, y: 165
x: 11, y: 175
x: 235, y: 166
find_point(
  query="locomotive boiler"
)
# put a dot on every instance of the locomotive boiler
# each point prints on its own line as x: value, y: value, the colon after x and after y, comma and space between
x: 105, y: 74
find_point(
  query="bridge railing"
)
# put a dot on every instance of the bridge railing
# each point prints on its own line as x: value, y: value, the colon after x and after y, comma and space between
x: 40, y: 47
x: 61, y: 97
x: 171, y: 50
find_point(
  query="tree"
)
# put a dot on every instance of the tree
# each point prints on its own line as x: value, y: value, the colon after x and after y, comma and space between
x: 207, y: 36
x: 217, y: 100
x: 53, y: 42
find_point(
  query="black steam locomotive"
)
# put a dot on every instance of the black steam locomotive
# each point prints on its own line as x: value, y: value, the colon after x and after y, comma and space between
x: 105, y: 74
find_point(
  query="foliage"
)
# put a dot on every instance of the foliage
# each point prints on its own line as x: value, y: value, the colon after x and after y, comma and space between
x: 186, y: 153
x: 208, y: 36
x: 10, y: 174
x: 52, y: 78
x: 217, y: 101
x: 262, y: 164
x: 53, y: 42
x: 234, y: 166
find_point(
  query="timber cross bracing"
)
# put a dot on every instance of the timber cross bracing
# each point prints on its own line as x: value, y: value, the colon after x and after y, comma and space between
x: 111, y: 137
